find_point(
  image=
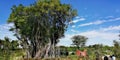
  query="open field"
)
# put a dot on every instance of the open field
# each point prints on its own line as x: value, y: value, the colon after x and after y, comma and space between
x: 17, y: 55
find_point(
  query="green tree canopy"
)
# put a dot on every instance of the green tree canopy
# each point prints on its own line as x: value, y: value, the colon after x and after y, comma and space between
x: 116, y: 48
x: 40, y: 24
x: 79, y: 40
x: 7, y: 44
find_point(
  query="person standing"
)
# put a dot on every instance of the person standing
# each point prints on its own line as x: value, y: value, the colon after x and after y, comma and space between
x: 113, y: 57
x: 105, y: 58
x: 110, y: 57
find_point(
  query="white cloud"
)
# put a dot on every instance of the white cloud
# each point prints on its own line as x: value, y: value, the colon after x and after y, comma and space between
x: 117, y: 18
x: 78, y: 19
x: 100, y: 34
x: 66, y: 41
x: 7, y: 33
x: 6, y: 26
x: 74, y: 31
x: 73, y: 26
x: 4, y: 31
x: 75, y: 21
x: 99, y: 22
x: 111, y: 28
x: 93, y: 23
x: 109, y: 17
x: 99, y: 37
x: 95, y: 37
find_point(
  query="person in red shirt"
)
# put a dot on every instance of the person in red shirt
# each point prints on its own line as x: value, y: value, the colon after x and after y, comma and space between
x: 78, y: 53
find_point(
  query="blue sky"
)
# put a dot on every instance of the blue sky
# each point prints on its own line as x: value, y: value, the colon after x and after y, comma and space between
x: 99, y: 20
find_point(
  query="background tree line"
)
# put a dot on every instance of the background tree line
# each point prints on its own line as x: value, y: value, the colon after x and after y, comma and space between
x: 7, y: 48
x: 7, y: 44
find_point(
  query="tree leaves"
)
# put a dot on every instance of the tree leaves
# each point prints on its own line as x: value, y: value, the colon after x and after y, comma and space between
x: 40, y: 23
x: 79, y: 40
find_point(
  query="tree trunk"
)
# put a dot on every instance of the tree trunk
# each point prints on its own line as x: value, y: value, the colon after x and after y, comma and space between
x: 53, y: 50
x: 47, y: 50
x: 43, y: 52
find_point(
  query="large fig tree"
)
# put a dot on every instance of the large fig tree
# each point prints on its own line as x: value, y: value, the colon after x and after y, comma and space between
x: 40, y: 25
